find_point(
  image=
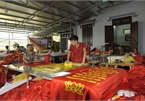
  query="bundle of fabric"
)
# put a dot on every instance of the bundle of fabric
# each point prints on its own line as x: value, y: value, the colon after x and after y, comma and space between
x: 136, y: 83
x: 137, y: 79
x: 39, y: 90
x: 2, y: 76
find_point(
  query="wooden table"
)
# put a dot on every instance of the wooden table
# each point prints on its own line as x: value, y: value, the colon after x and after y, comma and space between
x: 117, y: 64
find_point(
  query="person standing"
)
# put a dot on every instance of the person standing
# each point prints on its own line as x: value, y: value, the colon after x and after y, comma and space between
x: 7, y: 50
x: 49, y: 46
x: 78, y: 50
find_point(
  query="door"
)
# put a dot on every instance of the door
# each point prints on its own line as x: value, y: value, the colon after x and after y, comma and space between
x: 63, y: 42
x: 134, y: 36
x: 109, y: 37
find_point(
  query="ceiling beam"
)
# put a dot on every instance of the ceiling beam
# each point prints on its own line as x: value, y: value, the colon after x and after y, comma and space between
x: 19, y: 21
x: 14, y: 31
x: 35, y: 4
x: 59, y: 9
x: 37, y: 12
x: 24, y: 2
x: 96, y: 6
x: 86, y: 9
x: 123, y: 2
x: 33, y: 8
x: 27, y: 6
x: 21, y: 17
x: 48, y: 26
x: 26, y: 13
x: 64, y: 12
x: 111, y: 2
x: 79, y: 8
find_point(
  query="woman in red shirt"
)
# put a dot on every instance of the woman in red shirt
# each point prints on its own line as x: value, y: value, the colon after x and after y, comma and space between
x: 78, y: 49
x: 135, y: 52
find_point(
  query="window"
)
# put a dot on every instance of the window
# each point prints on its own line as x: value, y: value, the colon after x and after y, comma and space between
x: 10, y: 38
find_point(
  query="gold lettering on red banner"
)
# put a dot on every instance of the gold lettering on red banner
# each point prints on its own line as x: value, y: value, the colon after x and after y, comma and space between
x: 74, y: 87
x: 12, y: 57
x: 93, y: 75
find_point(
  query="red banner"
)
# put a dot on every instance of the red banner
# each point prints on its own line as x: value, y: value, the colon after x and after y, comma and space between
x: 92, y: 84
x: 10, y: 58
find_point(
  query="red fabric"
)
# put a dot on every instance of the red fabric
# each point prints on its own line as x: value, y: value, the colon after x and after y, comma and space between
x: 54, y: 90
x: 102, y: 91
x: 136, y: 76
x: 139, y: 59
x: 136, y: 53
x: 107, y: 52
x: 125, y: 85
x: 78, y: 52
x: 39, y: 90
x: 72, y: 56
x: 88, y: 49
x: 47, y: 58
x: 10, y: 58
x: 2, y: 76
x: 2, y: 73
x: 85, y: 68
x: 137, y: 72
x: 47, y: 90
x: 139, y: 97
x: 97, y: 51
x: 9, y: 75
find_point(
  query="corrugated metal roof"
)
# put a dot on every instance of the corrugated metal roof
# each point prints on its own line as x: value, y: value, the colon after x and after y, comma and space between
x: 42, y: 15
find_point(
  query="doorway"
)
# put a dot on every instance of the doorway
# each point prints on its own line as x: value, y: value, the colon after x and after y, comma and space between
x: 121, y: 38
x: 122, y: 32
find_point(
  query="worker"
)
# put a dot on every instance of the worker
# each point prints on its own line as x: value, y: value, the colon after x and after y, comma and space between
x: 78, y: 50
x: 30, y: 56
x: 7, y: 50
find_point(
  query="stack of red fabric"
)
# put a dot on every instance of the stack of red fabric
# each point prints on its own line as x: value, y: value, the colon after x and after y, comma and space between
x: 135, y: 82
x: 37, y: 91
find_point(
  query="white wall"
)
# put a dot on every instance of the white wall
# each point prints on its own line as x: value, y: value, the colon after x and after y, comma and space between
x: 101, y: 20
